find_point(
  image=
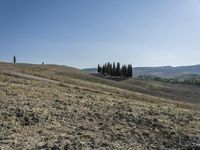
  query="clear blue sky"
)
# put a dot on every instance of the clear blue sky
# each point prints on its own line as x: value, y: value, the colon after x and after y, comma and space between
x: 83, y: 33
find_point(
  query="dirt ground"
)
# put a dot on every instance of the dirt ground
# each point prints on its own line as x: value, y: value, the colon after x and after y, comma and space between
x: 39, y: 115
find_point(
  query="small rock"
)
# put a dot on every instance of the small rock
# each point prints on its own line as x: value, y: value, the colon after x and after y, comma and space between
x: 146, y: 133
x: 196, y: 147
x: 55, y: 147
x: 42, y: 145
x: 155, y: 120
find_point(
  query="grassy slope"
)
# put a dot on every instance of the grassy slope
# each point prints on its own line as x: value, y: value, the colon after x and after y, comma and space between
x: 187, y: 93
x: 38, y: 115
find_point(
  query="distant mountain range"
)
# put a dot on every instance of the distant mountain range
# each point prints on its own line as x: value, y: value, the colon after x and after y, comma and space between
x: 164, y: 71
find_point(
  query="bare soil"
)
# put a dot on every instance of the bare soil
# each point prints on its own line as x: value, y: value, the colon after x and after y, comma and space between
x: 88, y: 115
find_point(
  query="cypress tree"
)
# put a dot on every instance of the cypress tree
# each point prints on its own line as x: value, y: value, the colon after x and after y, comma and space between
x: 124, y: 74
x: 122, y: 71
x: 125, y: 71
x: 113, y: 69
x: 99, y: 69
x: 130, y: 71
x: 106, y: 68
x: 118, y: 69
x: 14, y: 59
x: 103, y: 70
x: 109, y: 70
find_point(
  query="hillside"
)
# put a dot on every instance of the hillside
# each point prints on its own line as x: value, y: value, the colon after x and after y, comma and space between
x: 186, y: 93
x: 64, y: 110
x: 165, y: 71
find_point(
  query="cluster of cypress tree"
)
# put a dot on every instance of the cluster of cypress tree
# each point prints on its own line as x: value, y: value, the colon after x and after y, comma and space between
x: 115, y: 70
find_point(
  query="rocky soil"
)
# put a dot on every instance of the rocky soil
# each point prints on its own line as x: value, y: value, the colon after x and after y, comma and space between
x: 38, y: 115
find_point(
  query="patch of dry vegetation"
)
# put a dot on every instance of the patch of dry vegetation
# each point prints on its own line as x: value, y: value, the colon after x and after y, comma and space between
x: 39, y: 115
x: 185, y: 93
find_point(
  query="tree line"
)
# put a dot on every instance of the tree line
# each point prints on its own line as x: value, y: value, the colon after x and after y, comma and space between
x: 115, y: 70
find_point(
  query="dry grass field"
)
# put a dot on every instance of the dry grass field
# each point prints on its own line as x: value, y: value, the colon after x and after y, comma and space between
x: 186, y: 93
x: 80, y: 111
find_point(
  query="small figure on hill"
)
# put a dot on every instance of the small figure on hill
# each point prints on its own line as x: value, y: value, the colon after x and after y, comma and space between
x: 42, y: 63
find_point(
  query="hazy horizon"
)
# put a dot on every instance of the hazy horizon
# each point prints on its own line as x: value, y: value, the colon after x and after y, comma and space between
x: 83, y: 34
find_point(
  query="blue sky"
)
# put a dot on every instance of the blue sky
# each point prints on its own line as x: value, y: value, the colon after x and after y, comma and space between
x: 83, y: 33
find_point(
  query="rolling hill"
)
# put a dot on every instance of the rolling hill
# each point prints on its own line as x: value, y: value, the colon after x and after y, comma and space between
x: 186, y: 93
x: 165, y: 71
x: 59, y: 107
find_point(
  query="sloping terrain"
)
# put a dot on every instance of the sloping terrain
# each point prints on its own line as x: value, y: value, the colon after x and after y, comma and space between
x: 186, y: 93
x: 40, y: 115
x: 79, y: 114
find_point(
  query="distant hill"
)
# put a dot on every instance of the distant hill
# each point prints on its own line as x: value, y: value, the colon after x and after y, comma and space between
x: 164, y: 71
x: 90, y: 70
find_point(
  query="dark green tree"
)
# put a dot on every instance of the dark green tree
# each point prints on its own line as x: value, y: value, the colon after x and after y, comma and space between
x: 99, y: 69
x: 103, y: 70
x: 114, y: 70
x: 124, y: 71
x: 130, y: 70
x: 14, y: 59
x: 106, y: 68
x: 109, y: 68
x: 118, y: 69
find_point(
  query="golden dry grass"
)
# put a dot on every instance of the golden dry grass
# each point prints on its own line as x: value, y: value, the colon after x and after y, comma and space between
x: 183, y: 93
